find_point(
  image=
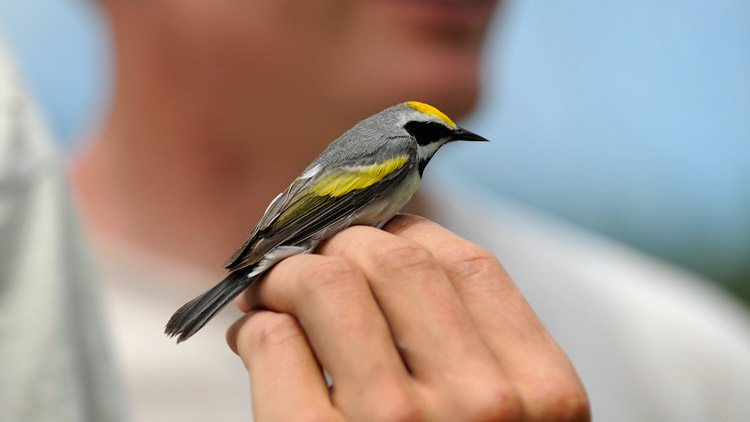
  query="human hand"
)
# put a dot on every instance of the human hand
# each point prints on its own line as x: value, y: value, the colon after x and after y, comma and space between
x: 412, y: 323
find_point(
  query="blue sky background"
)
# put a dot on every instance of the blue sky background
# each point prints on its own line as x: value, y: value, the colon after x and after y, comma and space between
x: 631, y: 118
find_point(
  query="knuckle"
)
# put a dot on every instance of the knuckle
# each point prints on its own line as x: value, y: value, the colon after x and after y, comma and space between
x: 314, y: 414
x: 565, y: 404
x: 402, y: 256
x: 269, y: 329
x: 396, y: 406
x: 330, y: 272
x: 494, y: 400
x: 472, y: 261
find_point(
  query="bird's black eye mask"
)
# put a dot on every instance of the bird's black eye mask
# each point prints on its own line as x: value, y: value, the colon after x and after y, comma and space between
x: 427, y: 132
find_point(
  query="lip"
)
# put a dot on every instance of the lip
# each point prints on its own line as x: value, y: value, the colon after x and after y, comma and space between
x: 457, y: 14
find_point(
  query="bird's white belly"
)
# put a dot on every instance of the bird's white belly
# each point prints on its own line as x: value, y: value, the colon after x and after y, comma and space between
x: 381, y: 210
x: 375, y: 214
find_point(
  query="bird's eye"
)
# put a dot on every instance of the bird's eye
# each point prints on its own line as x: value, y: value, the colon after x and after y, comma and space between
x: 427, y: 132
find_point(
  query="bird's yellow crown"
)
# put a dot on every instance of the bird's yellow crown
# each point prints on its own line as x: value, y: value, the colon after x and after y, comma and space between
x: 428, y: 109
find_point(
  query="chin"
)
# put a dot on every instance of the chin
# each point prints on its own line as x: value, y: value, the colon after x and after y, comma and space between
x: 424, y: 50
x: 454, y: 97
x: 447, y: 78
x: 450, y: 82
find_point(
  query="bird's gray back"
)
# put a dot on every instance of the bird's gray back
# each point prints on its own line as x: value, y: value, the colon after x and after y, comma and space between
x: 378, y: 137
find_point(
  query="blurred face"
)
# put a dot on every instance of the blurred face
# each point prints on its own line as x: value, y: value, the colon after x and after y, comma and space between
x: 364, y: 54
x: 298, y: 72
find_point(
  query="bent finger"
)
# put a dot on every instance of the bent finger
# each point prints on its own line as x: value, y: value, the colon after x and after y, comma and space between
x: 342, y: 321
x: 531, y: 359
x: 285, y: 378
x: 434, y: 333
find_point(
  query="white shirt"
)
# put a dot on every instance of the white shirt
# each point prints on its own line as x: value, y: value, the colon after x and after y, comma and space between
x: 198, y: 380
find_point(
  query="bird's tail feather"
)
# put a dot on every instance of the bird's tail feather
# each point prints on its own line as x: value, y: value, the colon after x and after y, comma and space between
x: 193, y: 315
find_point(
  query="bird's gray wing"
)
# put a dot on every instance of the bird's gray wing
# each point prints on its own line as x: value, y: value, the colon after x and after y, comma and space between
x: 296, y: 219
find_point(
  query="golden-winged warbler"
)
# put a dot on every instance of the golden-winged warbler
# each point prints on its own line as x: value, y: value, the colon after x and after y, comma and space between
x: 365, y: 177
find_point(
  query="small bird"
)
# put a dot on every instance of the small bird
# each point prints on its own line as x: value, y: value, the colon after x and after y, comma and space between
x: 363, y: 177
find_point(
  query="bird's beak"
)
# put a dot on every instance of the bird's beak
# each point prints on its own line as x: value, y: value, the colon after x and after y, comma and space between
x: 461, y: 134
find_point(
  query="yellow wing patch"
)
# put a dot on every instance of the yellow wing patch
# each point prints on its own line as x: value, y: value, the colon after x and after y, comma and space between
x: 336, y: 184
x: 299, y: 209
x: 428, y: 109
x: 341, y: 182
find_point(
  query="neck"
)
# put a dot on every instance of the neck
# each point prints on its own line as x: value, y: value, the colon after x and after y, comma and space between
x: 189, y: 198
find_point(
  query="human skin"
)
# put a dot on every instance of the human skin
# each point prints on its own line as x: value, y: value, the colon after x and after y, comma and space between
x: 412, y: 323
